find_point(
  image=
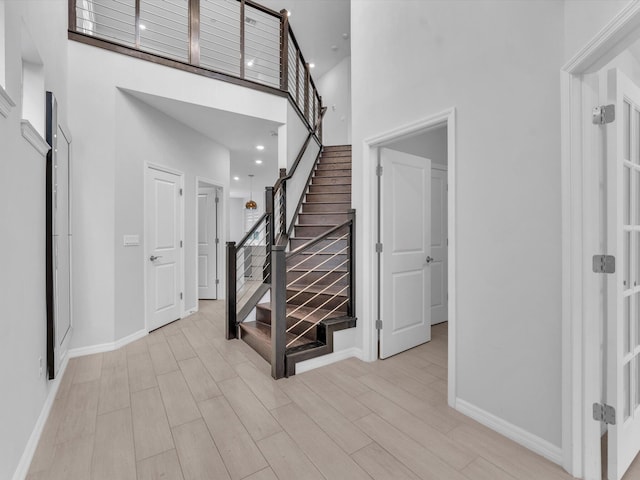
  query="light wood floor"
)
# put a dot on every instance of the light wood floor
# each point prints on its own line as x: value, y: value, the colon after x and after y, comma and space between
x: 183, y: 403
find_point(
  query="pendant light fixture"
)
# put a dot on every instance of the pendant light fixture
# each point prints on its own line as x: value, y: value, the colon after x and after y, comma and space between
x: 251, y: 204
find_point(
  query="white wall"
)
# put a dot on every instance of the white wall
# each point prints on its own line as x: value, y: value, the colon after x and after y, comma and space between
x: 144, y: 134
x: 335, y: 89
x: 98, y: 118
x: 454, y: 54
x: 22, y: 210
x: 583, y: 19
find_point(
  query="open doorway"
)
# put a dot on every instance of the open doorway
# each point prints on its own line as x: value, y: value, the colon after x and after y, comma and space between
x: 208, y: 235
x: 408, y: 184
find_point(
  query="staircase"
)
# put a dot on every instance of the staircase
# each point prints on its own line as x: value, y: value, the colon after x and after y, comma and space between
x: 317, y: 278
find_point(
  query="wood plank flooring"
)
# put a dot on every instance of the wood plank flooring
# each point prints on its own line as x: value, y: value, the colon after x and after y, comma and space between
x: 183, y: 403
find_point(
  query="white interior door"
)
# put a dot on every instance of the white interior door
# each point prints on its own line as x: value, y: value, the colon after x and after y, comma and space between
x: 164, y: 244
x: 62, y: 250
x: 405, y: 218
x: 439, y: 266
x: 207, y: 243
x: 623, y: 287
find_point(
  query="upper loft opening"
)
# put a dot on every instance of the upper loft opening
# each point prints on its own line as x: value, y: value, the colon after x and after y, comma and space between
x: 237, y: 41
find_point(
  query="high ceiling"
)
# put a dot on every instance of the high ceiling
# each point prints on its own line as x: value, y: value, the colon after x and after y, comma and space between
x: 319, y: 25
x: 239, y: 133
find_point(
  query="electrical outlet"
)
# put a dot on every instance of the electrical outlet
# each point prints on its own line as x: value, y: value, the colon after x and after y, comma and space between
x: 41, y: 367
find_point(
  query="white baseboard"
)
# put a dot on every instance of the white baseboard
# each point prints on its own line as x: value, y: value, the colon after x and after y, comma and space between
x: 107, y: 347
x: 534, y: 443
x: 328, y: 359
x: 30, y: 449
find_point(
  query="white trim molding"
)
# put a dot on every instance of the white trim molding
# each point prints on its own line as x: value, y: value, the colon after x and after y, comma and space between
x: 6, y: 103
x: 325, y: 360
x: 106, y: 347
x: 30, y: 449
x: 580, y: 329
x: 33, y: 137
x: 534, y: 443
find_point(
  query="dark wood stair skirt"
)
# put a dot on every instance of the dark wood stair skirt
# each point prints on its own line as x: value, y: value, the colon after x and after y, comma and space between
x: 258, y: 336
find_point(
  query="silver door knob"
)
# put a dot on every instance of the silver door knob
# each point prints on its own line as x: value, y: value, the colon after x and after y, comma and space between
x: 429, y: 260
x: 154, y: 257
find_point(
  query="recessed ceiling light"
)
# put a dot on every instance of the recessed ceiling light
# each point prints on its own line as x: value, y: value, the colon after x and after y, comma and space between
x: 312, y: 65
x: 259, y: 162
x: 334, y: 47
x: 143, y: 26
x: 250, y: 63
x: 260, y: 147
x: 345, y: 36
x: 236, y: 178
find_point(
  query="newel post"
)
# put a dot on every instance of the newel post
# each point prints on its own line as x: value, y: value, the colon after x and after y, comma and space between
x: 278, y: 310
x: 231, y: 326
x: 284, y: 50
x: 351, y: 308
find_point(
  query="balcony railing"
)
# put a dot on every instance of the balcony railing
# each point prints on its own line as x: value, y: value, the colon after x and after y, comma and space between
x: 239, y: 41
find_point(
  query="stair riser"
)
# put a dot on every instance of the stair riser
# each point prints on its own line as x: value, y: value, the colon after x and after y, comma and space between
x: 322, y: 218
x: 346, y: 173
x: 336, y: 153
x: 346, y: 189
x: 298, y: 278
x: 264, y: 316
x: 324, y: 301
x: 264, y: 349
x: 331, y: 181
x: 333, y: 166
x: 319, y: 197
x: 326, y: 207
x: 326, y: 261
x: 336, y: 148
x: 315, y: 230
x: 327, y: 246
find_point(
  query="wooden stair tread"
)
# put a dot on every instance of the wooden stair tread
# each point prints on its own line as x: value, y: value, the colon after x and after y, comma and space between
x: 335, y: 290
x: 262, y: 332
x: 298, y: 312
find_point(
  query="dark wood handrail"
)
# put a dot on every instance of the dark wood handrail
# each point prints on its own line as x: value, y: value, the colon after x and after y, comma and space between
x: 262, y: 8
x: 303, y: 150
x: 251, y: 231
x: 302, y: 194
x: 317, y: 239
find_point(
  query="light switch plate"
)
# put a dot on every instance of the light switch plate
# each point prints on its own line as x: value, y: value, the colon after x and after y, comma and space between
x: 131, y: 240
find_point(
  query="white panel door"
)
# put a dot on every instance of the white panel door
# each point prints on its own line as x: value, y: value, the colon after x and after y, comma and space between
x: 439, y: 266
x: 207, y: 245
x: 164, y: 256
x: 623, y: 287
x: 406, y: 236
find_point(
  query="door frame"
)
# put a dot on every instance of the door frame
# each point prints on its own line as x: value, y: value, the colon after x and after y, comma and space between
x: 221, y: 263
x: 163, y: 168
x: 370, y: 224
x: 580, y: 323
x: 442, y: 168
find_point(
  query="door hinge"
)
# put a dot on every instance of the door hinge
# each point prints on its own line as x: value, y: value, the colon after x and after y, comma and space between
x: 217, y: 199
x: 180, y: 243
x: 180, y: 192
x: 604, y: 413
x: 217, y: 281
x: 180, y: 295
x: 378, y: 324
x: 604, y: 114
x: 217, y: 241
x: 379, y: 170
x: 604, y: 264
x: 378, y: 248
